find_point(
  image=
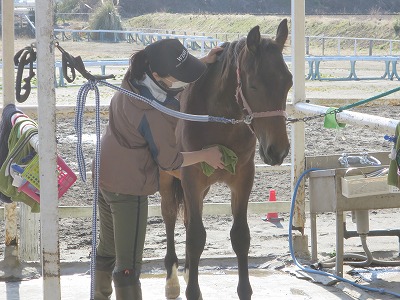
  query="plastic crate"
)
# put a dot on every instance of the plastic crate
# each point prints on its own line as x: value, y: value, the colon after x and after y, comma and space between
x: 66, y: 178
x: 359, y: 186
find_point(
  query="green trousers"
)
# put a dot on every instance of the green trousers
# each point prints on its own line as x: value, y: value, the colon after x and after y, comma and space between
x: 123, y: 221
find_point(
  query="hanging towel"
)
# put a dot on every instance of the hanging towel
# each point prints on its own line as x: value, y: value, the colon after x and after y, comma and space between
x: 330, y: 120
x: 229, y: 159
x: 5, y: 129
x: 393, y: 178
x: 19, y: 149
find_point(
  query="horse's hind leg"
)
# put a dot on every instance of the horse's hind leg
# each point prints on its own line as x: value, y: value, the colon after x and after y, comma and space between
x: 195, y: 236
x: 195, y: 241
x: 240, y: 239
x: 169, y: 209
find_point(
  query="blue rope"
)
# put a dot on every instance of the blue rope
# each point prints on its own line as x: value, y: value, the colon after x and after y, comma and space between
x: 80, y: 107
x: 309, y: 270
x: 171, y: 112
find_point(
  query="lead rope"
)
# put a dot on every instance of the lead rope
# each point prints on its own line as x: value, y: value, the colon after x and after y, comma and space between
x: 80, y: 107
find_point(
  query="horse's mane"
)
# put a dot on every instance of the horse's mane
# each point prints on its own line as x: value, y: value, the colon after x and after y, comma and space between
x: 230, y: 54
x: 229, y: 57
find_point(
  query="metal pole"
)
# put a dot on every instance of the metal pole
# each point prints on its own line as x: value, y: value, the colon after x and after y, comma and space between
x: 8, y: 51
x: 297, y: 132
x: 10, y: 213
x: 47, y: 150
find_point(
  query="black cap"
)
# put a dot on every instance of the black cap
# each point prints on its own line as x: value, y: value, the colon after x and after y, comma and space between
x: 170, y: 57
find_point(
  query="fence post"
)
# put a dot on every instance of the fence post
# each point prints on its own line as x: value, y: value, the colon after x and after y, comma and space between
x: 355, y: 47
x: 323, y: 46
x: 338, y: 46
x: 29, y: 234
x: 371, y: 44
x: 11, y: 242
x: 307, y: 45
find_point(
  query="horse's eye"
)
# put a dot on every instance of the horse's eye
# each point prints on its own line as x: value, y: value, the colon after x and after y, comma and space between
x: 253, y: 87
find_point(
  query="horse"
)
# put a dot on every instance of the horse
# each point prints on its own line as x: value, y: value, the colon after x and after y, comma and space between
x: 249, y: 83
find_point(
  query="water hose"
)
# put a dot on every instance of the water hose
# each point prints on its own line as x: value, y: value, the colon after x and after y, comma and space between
x: 319, y: 272
x: 368, y: 259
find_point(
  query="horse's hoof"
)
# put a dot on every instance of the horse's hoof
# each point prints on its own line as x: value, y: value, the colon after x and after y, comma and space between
x: 186, y: 275
x: 172, y: 291
x: 172, y: 287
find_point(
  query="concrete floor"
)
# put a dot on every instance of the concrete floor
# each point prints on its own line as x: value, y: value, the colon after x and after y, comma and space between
x: 216, y: 283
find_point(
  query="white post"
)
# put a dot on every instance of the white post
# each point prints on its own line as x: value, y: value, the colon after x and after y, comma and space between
x: 7, y: 13
x: 29, y: 234
x: 47, y: 150
x: 297, y: 132
x: 355, y: 46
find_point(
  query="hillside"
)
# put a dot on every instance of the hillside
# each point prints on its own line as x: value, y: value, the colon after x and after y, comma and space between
x: 258, y: 7
x: 372, y: 26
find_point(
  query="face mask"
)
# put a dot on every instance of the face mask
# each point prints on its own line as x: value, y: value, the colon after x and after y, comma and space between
x: 177, y: 84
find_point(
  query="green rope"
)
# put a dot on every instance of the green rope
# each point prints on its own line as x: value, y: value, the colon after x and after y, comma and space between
x: 361, y: 102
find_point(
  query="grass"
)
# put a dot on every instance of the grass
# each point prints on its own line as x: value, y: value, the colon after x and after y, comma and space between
x: 373, y: 26
x: 230, y: 27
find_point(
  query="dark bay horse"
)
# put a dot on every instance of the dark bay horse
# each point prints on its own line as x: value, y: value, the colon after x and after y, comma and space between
x: 250, y: 78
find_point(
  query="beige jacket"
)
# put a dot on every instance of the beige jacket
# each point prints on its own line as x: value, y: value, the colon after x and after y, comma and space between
x: 138, y: 141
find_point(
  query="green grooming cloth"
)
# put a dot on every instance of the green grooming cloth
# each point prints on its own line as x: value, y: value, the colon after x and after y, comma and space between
x: 330, y: 120
x: 228, y: 157
x: 19, y: 149
x: 393, y: 178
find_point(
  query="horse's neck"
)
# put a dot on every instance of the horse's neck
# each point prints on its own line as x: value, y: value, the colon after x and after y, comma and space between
x: 222, y: 100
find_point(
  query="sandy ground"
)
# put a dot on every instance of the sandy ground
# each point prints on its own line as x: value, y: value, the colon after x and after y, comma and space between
x: 268, y: 240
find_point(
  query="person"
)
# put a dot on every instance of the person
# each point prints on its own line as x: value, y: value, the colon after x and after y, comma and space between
x: 138, y: 141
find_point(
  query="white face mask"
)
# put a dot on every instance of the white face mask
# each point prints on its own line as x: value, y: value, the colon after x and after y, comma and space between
x: 177, y: 84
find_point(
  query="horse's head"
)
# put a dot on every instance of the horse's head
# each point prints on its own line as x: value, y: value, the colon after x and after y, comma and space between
x: 264, y: 81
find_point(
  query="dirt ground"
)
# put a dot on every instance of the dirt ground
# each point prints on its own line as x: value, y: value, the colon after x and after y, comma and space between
x: 267, y: 239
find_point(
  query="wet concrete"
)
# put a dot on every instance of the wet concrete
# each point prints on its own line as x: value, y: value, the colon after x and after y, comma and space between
x: 217, y: 281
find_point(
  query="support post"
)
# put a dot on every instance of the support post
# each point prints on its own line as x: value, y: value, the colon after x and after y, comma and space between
x: 47, y: 150
x: 29, y: 234
x: 7, y: 12
x: 297, y: 132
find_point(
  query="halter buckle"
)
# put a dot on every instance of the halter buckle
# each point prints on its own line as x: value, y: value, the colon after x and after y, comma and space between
x: 247, y: 119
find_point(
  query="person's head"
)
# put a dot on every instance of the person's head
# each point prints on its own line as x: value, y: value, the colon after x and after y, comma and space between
x: 168, y: 63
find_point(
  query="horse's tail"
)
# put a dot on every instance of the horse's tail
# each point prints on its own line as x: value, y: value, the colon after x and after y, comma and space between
x: 178, y: 193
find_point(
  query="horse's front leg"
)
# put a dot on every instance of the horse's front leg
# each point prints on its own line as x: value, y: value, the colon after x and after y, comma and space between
x: 195, y: 231
x: 169, y: 210
x: 240, y: 234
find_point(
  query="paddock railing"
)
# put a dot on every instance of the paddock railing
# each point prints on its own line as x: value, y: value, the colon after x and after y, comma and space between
x: 315, y: 45
x: 315, y: 69
x: 29, y: 224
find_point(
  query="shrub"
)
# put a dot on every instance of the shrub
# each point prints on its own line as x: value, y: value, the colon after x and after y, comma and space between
x: 396, y: 27
x: 105, y: 17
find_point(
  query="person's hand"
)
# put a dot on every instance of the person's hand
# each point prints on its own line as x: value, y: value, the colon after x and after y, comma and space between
x: 213, y: 157
x: 211, y: 57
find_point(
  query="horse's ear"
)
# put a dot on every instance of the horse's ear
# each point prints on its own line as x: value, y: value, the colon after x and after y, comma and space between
x: 282, y: 33
x: 253, y: 39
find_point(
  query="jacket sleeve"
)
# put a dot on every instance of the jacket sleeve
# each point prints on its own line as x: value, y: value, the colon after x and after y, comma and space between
x: 159, y: 132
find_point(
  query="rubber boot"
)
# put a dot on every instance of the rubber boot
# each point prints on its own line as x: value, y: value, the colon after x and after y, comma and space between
x: 103, y: 277
x: 127, y: 285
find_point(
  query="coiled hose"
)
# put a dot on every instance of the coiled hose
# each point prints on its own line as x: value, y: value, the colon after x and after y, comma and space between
x: 319, y: 272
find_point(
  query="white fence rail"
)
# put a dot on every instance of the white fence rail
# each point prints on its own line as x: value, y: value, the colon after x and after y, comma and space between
x: 315, y: 64
x: 315, y: 45
x: 29, y: 243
